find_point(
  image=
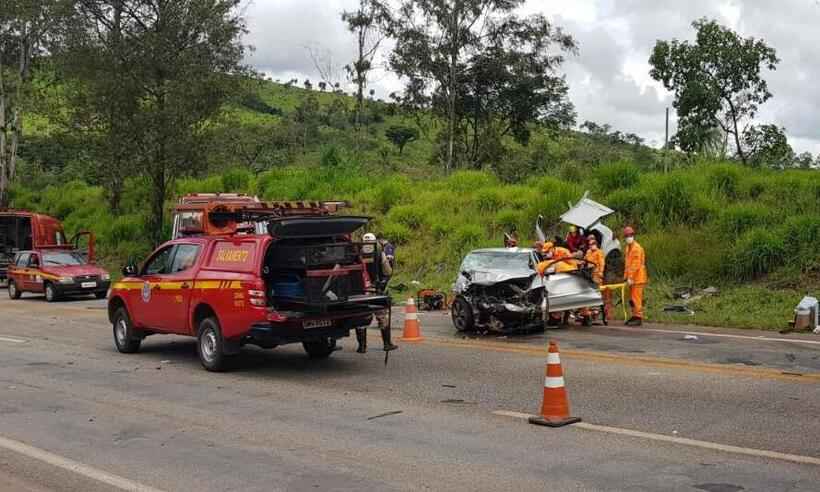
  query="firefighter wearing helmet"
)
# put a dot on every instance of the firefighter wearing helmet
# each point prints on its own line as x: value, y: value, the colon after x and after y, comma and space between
x: 635, y: 275
x: 379, y: 270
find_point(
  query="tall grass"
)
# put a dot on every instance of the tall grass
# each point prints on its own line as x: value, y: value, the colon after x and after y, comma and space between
x: 707, y: 223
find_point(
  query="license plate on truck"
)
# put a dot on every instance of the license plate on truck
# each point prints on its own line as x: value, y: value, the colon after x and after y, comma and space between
x: 317, y: 323
x: 88, y: 285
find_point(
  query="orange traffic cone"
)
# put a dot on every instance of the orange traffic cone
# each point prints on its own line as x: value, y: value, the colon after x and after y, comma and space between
x: 555, y: 408
x: 412, y: 330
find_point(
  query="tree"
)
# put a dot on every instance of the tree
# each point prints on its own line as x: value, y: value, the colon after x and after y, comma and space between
x: 28, y: 29
x: 804, y: 161
x: 181, y: 61
x: 716, y: 80
x: 369, y: 24
x: 477, y: 59
x: 401, y: 136
x: 307, y: 118
x: 767, y: 146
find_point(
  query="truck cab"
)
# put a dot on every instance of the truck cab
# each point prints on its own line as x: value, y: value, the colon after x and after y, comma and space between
x: 302, y: 280
x: 22, y: 230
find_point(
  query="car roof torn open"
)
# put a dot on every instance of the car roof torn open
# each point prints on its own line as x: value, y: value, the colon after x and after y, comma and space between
x: 586, y: 213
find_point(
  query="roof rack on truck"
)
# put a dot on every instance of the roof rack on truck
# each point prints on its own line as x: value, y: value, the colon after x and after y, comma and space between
x: 217, y: 214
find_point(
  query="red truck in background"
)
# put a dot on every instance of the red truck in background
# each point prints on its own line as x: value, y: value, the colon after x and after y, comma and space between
x: 249, y: 272
x: 21, y: 230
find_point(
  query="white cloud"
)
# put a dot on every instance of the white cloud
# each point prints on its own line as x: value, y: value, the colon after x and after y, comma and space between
x: 609, y: 81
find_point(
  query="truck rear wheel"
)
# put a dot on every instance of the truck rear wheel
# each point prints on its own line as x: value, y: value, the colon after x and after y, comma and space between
x: 13, y: 292
x: 211, y: 346
x: 320, y: 349
x: 124, y: 337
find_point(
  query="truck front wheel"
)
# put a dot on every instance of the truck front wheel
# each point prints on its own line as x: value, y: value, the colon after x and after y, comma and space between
x: 211, y: 346
x: 124, y: 337
x: 320, y: 349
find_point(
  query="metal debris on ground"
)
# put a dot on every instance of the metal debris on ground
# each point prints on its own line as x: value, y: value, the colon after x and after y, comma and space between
x: 386, y: 414
x: 431, y: 300
x: 678, y: 308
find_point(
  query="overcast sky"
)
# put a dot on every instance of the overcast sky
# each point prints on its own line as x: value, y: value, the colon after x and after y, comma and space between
x: 609, y: 79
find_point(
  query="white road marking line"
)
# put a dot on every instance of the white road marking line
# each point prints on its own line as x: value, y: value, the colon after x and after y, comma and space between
x: 12, y: 340
x: 73, y: 466
x: 760, y: 453
x: 720, y: 335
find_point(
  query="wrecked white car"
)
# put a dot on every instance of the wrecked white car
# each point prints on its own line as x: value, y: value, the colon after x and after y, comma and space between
x: 498, y: 289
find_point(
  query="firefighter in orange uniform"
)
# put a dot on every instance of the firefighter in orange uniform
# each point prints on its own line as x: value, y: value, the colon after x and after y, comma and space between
x: 635, y: 275
x: 596, y: 261
x: 552, y: 255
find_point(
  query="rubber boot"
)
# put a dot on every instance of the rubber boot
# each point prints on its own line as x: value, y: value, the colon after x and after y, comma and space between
x: 388, y: 346
x: 361, y: 337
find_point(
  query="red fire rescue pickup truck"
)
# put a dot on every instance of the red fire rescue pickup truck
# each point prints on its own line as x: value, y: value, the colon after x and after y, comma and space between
x: 302, y: 280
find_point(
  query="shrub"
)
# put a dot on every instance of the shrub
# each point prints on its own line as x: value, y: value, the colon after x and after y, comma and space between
x: 237, y: 181
x: 756, y: 253
x: 464, y: 181
x: 679, y: 253
x: 389, y: 193
x: 508, y: 219
x: 725, y: 179
x: 466, y: 237
x: 489, y: 199
x: 395, y: 232
x: 413, y: 216
x: 616, y: 176
x: 736, y: 219
x: 126, y: 228
x: 441, y: 230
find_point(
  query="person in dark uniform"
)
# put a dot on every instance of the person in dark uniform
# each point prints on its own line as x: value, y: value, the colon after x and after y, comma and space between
x: 379, y: 266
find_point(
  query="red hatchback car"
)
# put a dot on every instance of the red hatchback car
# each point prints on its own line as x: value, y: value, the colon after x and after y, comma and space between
x: 57, y: 273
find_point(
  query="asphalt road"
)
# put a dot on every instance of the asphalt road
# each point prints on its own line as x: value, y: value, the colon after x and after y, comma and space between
x: 730, y: 410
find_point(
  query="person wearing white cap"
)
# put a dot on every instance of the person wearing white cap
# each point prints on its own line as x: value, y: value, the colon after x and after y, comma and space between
x: 379, y: 269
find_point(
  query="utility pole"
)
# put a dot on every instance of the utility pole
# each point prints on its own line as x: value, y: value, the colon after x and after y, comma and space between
x: 666, y: 144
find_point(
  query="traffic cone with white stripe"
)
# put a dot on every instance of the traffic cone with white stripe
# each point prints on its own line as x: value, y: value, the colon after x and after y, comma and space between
x: 555, y: 407
x: 412, y: 329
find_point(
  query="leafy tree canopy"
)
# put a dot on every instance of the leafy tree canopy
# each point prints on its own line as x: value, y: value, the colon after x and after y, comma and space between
x: 716, y: 80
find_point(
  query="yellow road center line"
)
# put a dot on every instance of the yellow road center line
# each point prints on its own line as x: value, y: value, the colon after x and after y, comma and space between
x: 74, y: 466
x: 634, y: 361
x: 760, y: 453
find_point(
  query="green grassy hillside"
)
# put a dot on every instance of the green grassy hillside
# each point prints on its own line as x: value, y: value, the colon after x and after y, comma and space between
x: 753, y: 233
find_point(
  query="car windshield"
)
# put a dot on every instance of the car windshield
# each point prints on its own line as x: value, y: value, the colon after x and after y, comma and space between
x: 497, y: 260
x: 62, y: 258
